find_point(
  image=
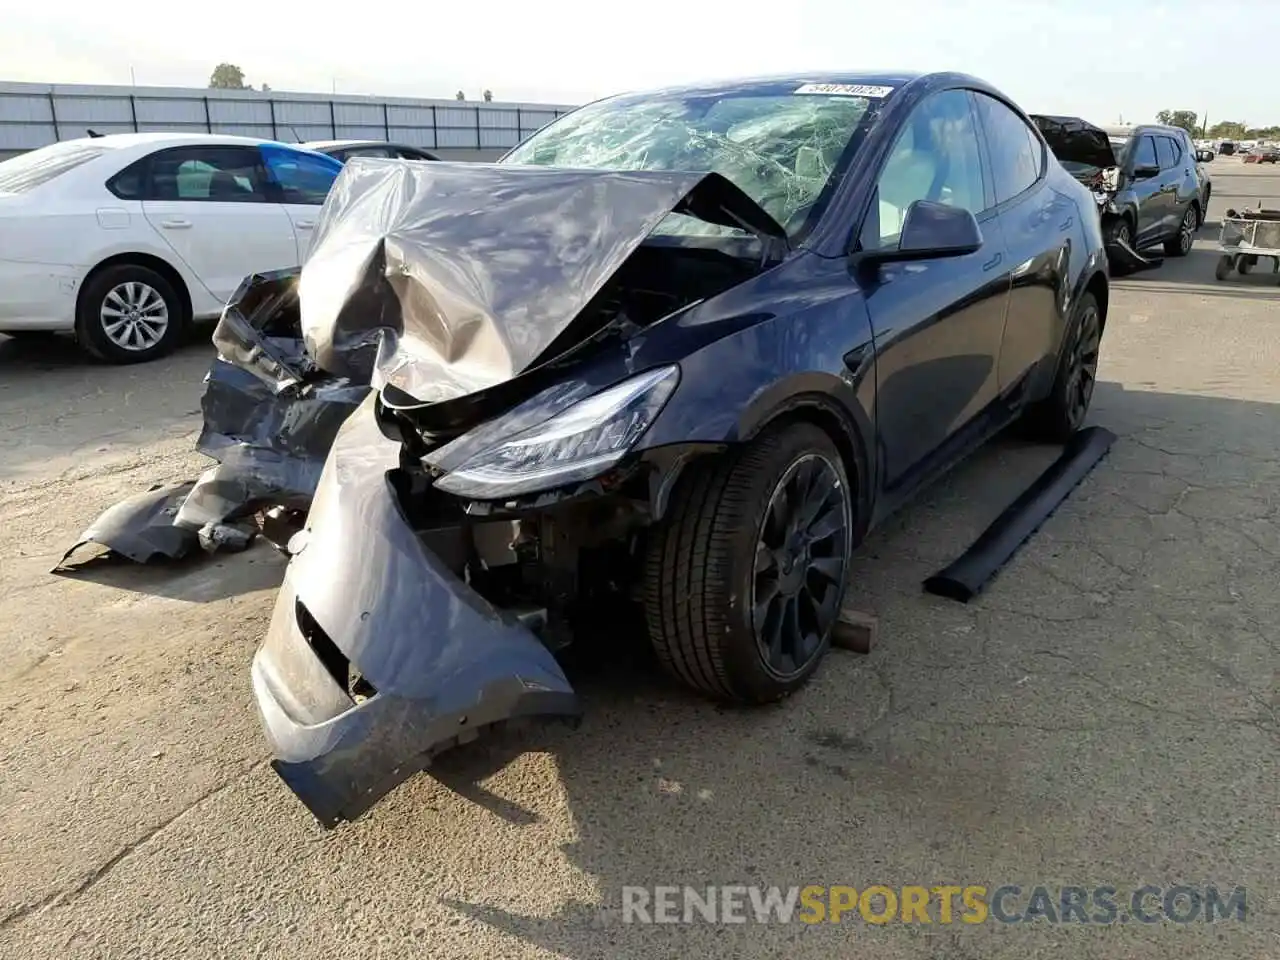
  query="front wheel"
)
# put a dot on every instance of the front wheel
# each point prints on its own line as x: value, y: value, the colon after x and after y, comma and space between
x: 1226, y: 263
x: 1179, y: 245
x: 129, y: 314
x: 1062, y: 413
x: 745, y: 578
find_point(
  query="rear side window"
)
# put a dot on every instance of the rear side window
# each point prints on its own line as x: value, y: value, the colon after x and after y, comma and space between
x: 1169, y: 151
x: 367, y: 152
x: 1017, y: 155
x: 30, y: 170
x: 301, y: 177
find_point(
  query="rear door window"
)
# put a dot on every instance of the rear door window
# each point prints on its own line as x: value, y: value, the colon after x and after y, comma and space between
x: 1164, y: 152
x: 209, y: 174
x: 1017, y: 155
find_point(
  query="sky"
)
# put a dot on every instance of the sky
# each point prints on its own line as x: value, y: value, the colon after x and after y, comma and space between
x: 1107, y: 60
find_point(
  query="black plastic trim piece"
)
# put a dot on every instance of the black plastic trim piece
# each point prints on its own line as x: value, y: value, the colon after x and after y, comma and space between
x: 966, y: 577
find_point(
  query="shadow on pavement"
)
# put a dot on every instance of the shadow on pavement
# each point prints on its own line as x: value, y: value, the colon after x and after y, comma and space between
x: 1196, y: 271
x: 967, y: 748
x: 196, y: 578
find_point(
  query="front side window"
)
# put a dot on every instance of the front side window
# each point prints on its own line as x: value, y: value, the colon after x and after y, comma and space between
x: 30, y: 170
x: 935, y: 157
x: 784, y: 148
x: 301, y: 177
x: 1017, y: 156
x: 209, y: 174
x: 366, y: 152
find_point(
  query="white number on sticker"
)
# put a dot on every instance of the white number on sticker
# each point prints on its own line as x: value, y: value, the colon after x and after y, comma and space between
x: 845, y: 89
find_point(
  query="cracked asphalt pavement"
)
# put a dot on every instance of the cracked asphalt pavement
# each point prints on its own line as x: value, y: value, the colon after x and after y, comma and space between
x: 1105, y: 713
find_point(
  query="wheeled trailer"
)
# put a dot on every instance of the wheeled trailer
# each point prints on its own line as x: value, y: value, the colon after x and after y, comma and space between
x: 1246, y: 237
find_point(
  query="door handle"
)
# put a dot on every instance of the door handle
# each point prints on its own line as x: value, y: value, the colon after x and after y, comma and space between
x: 175, y: 223
x: 1066, y: 224
x: 993, y: 262
x: 305, y: 224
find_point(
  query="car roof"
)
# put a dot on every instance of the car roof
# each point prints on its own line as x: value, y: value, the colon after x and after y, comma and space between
x: 347, y: 144
x: 123, y: 141
x: 779, y: 83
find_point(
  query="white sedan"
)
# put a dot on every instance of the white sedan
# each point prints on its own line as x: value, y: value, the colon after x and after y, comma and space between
x: 124, y: 239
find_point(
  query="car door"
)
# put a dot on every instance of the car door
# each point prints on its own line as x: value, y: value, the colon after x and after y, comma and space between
x: 937, y: 323
x: 210, y: 204
x: 300, y: 180
x: 1143, y: 164
x: 1183, y: 181
x: 1038, y: 225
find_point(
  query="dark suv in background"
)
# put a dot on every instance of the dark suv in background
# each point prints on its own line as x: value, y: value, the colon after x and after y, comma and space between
x: 1146, y: 181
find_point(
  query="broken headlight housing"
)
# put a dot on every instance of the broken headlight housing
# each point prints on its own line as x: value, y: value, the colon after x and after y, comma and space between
x: 575, y: 445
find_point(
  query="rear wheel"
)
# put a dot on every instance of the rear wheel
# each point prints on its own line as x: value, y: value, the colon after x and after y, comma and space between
x: 745, y: 578
x: 1179, y: 245
x: 1058, y: 416
x: 129, y: 314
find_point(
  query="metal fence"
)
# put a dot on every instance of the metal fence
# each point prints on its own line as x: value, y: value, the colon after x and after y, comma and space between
x: 33, y: 115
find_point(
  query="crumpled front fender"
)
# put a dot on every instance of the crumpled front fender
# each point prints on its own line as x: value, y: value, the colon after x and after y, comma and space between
x: 363, y: 596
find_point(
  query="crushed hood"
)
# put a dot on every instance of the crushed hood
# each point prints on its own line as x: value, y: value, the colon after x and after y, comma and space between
x: 1073, y: 140
x: 459, y: 276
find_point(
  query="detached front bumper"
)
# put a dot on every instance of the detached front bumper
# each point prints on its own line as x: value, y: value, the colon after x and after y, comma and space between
x: 363, y: 597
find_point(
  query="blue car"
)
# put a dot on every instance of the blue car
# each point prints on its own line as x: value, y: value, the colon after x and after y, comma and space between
x: 665, y: 364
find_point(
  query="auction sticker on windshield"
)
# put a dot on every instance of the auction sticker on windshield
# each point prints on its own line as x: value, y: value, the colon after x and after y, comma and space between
x: 845, y: 89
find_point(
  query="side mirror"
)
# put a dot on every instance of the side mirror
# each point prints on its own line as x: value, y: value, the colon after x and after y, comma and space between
x: 1145, y: 173
x: 932, y: 230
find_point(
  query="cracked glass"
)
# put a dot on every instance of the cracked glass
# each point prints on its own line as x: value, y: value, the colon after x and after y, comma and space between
x: 783, y: 151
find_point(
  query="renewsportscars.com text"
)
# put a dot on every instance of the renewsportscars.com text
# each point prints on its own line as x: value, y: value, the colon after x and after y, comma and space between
x: 942, y: 904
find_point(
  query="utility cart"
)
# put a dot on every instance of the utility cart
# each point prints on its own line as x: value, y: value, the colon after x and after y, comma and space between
x: 1247, y: 236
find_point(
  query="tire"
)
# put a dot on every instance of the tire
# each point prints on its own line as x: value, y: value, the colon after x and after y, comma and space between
x: 1226, y: 263
x: 1179, y: 245
x: 1062, y: 413
x: 722, y: 542
x: 1246, y: 263
x: 153, y: 316
x: 1118, y: 231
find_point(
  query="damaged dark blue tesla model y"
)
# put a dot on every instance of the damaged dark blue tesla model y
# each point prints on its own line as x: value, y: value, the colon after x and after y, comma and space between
x: 671, y: 358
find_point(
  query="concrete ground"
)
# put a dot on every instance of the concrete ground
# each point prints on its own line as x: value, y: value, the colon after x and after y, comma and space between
x: 1106, y: 714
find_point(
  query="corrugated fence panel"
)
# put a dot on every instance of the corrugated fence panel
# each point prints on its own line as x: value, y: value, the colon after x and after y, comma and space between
x: 410, y: 116
x: 498, y: 119
x: 183, y: 112
x: 32, y: 115
x: 240, y: 111
x: 25, y: 136
x: 414, y: 136
x: 358, y: 114
x: 22, y: 108
x: 499, y: 138
x: 302, y: 111
x: 456, y: 138
x: 93, y: 110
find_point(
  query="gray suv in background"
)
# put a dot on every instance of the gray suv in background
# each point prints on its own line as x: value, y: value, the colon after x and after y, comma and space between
x: 1148, y: 185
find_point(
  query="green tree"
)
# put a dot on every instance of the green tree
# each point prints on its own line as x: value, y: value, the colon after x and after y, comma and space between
x: 1186, y: 119
x: 1228, y: 130
x: 459, y: 95
x: 488, y: 95
x: 227, y: 76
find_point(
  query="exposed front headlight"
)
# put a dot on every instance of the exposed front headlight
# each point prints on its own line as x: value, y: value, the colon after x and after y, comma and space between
x: 575, y: 445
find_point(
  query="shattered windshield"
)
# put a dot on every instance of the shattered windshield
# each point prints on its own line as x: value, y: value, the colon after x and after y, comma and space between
x: 781, y: 150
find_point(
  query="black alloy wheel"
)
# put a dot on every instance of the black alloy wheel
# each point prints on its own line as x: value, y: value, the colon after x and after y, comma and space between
x: 1082, y: 366
x: 745, y: 575
x: 802, y: 552
x: 1062, y: 413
